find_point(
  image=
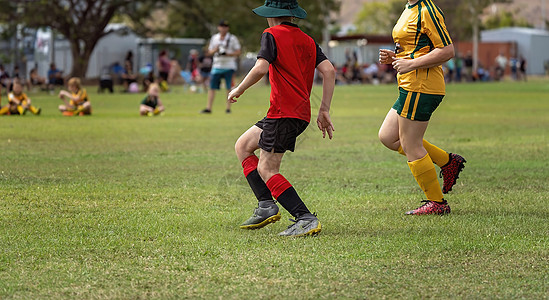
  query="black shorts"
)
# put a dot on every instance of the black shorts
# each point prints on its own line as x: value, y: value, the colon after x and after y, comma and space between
x: 280, y: 134
x: 163, y: 75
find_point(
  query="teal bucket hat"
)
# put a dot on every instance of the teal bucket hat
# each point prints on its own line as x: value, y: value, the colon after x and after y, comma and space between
x: 281, y: 8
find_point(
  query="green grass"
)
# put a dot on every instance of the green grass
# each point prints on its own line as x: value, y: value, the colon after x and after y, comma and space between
x: 121, y: 206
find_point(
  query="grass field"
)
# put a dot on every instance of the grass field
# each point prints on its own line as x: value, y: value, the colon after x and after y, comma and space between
x: 119, y: 206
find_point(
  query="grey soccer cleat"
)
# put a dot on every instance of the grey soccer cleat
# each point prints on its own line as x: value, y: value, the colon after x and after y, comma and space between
x: 303, y: 227
x: 262, y: 217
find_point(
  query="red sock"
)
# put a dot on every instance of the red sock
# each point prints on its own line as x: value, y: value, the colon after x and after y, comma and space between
x: 277, y: 185
x: 258, y: 186
x: 287, y: 196
x: 249, y: 164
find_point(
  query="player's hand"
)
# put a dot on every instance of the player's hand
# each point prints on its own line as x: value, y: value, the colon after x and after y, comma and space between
x: 403, y: 66
x: 325, y: 124
x: 234, y: 94
x: 386, y: 56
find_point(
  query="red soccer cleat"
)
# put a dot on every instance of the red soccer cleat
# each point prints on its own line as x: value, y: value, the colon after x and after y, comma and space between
x: 450, y: 172
x: 431, y: 208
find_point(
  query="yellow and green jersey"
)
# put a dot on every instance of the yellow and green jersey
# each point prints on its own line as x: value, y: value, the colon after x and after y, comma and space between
x: 419, y: 30
x: 21, y: 98
x: 82, y: 96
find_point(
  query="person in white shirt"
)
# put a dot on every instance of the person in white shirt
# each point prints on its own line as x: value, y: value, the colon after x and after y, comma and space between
x: 225, y: 49
x: 501, y: 63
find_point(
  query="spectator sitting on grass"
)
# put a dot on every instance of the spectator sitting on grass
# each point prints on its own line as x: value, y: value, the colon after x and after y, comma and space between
x: 4, y: 77
x: 36, y: 80
x: 128, y: 77
x: 55, y: 77
x: 19, y: 78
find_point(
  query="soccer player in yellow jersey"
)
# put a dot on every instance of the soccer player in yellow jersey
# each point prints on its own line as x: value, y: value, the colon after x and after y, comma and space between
x: 422, y: 46
x: 78, y: 103
x: 19, y: 103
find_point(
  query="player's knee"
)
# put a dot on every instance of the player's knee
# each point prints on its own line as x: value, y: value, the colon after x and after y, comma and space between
x: 387, y: 140
x: 241, y: 150
x: 381, y: 137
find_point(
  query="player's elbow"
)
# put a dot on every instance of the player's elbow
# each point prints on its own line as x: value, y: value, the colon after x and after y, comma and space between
x: 327, y: 70
x: 449, y: 52
x: 329, y: 74
x: 261, y: 67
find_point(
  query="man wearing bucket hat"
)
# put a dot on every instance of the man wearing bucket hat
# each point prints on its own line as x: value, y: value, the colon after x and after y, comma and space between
x: 290, y: 57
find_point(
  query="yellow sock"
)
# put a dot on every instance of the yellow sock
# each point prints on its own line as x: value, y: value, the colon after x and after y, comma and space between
x: 439, y: 156
x: 426, y: 176
x: 33, y: 109
x: 20, y: 109
x: 4, y: 110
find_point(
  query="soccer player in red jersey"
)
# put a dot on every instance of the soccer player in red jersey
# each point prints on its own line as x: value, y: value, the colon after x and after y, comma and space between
x: 290, y: 57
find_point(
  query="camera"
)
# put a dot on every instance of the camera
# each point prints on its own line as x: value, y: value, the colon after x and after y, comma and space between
x: 222, y: 51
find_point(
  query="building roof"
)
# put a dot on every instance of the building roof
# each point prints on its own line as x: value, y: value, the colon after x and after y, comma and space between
x: 519, y: 30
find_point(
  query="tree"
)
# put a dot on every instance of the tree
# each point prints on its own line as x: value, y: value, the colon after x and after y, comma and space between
x: 379, y: 17
x: 505, y: 19
x: 199, y: 19
x: 464, y: 19
x: 82, y: 22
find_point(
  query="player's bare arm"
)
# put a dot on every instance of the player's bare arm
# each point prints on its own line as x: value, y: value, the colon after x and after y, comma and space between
x: 14, y: 101
x: 63, y: 94
x: 259, y: 70
x: 434, y: 58
x: 328, y: 84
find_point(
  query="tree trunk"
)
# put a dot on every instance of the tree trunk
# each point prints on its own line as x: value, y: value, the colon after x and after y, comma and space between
x: 475, y: 44
x: 81, y: 53
x: 476, y: 23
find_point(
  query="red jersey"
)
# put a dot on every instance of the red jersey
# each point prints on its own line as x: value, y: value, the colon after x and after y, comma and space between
x: 291, y: 73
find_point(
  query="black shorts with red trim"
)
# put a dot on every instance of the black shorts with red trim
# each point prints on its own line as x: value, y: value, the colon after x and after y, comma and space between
x: 280, y: 134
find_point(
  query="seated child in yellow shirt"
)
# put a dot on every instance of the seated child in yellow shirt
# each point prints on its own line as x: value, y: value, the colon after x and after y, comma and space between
x: 78, y: 103
x: 19, y: 103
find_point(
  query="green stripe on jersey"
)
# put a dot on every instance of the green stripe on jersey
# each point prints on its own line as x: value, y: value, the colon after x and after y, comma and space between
x: 437, y: 24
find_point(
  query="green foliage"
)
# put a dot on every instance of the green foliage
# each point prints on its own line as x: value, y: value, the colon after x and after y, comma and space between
x: 505, y: 19
x: 117, y: 206
x: 461, y: 16
x: 379, y: 17
x: 83, y: 23
x: 194, y: 18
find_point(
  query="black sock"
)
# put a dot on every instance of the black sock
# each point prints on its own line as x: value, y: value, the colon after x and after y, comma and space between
x: 290, y: 200
x: 260, y: 189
